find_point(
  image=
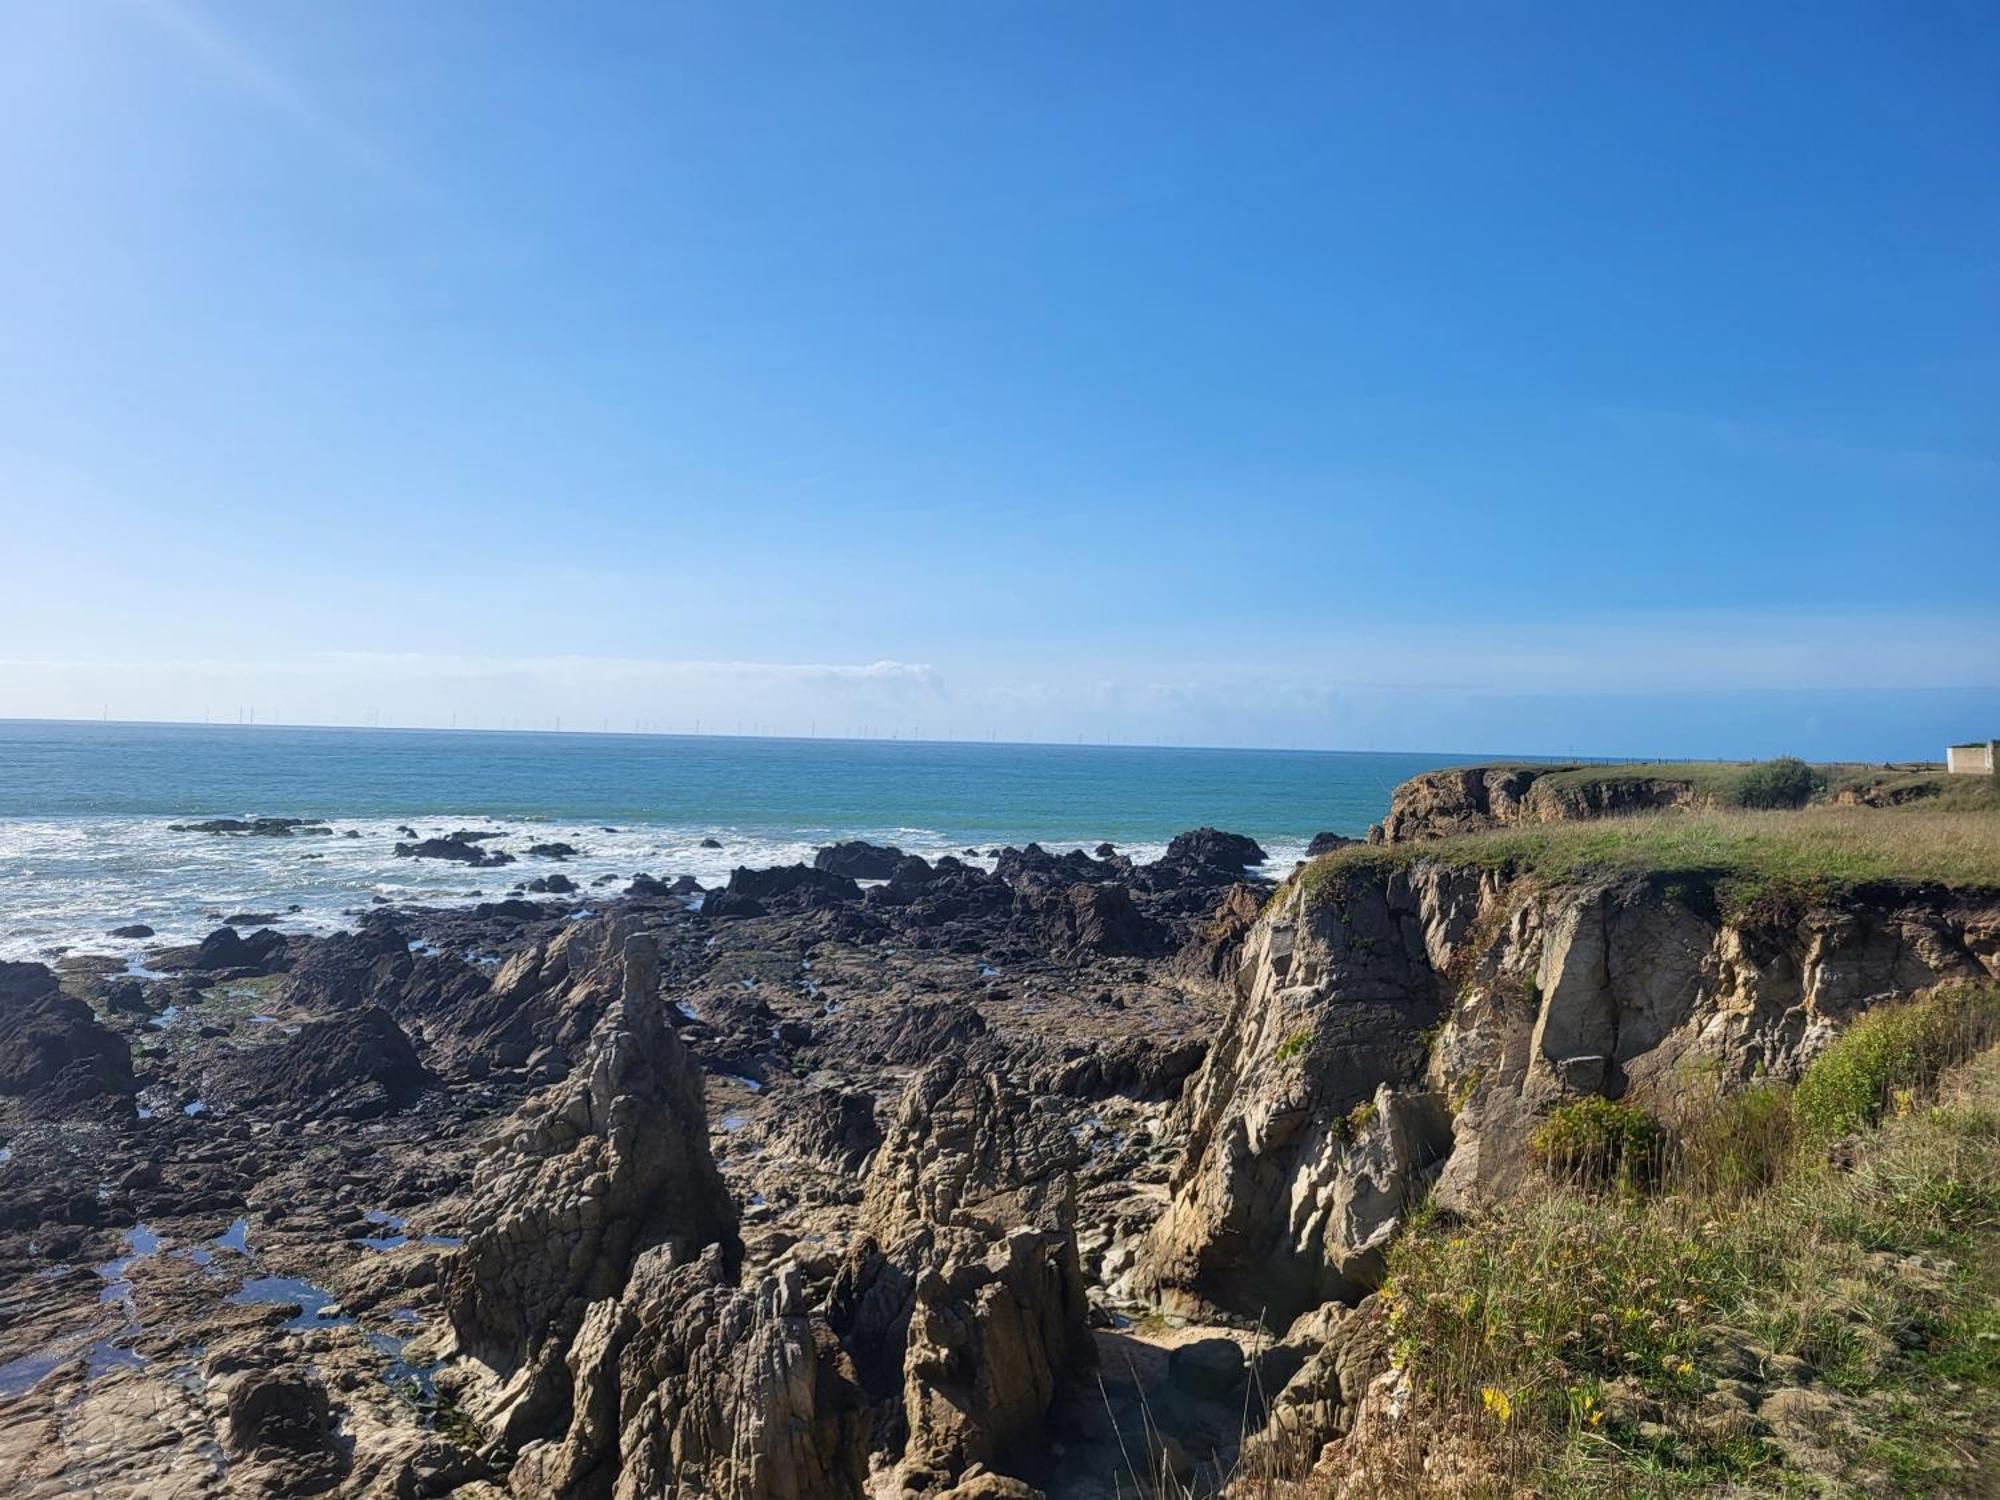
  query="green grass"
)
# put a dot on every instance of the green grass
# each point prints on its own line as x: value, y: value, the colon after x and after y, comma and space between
x: 1591, y: 1345
x: 1887, y: 1054
x: 1742, y: 860
x: 1725, y: 784
x: 1729, y: 784
x: 1928, y: 787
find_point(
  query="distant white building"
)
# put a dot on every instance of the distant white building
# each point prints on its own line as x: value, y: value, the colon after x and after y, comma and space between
x: 1978, y: 758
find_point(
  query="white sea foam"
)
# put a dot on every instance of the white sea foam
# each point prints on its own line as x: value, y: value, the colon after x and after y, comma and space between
x: 65, y: 882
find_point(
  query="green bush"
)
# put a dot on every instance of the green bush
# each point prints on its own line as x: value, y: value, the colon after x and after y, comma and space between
x: 1784, y: 782
x: 1293, y: 1046
x: 1888, y: 1056
x: 1599, y: 1141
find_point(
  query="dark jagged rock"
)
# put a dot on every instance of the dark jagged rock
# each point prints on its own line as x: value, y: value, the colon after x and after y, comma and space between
x: 258, y: 827
x: 558, y: 885
x: 553, y: 850
x: 914, y: 1034
x: 350, y: 970
x: 859, y: 860
x: 357, y: 1067
x: 458, y: 848
x: 134, y: 930
x: 1326, y: 843
x: 1214, y: 849
x: 1035, y: 864
x: 514, y: 909
x: 1100, y: 918
x: 549, y: 996
x: 1212, y: 951
x: 787, y: 888
x: 225, y: 948
x: 53, y: 1047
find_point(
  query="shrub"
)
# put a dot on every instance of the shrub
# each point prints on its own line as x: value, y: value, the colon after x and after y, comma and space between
x: 1784, y: 782
x: 1599, y: 1141
x: 1737, y: 1145
x: 1293, y: 1046
x: 1892, y: 1053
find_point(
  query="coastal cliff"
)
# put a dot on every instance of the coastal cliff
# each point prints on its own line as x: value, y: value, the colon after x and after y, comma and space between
x: 1406, y: 1028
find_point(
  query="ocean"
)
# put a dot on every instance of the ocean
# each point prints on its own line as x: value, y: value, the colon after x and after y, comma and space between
x: 86, y: 842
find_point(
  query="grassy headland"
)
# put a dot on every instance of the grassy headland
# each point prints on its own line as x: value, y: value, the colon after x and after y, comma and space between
x: 1861, y: 825
x: 1818, y: 847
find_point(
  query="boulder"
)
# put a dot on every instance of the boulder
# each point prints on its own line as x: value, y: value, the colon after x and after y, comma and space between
x: 226, y: 948
x: 276, y: 1408
x: 1213, y: 849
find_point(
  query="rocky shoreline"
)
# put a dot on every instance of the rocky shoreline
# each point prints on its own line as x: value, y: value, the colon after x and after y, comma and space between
x: 1070, y: 1177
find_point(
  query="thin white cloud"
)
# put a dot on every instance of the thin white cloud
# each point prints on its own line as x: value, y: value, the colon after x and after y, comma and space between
x: 241, y: 69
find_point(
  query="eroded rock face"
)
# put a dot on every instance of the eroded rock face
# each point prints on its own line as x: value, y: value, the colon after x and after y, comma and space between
x: 1421, y: 1022
x: 687, y: 1384
x: 1101, y: 918
x: 831, y: 1127
x: 548, y: 998
x: 1441, y: 804
x: 1297, y: 1137
x: 610, y: 1163
x: 969, y: 1296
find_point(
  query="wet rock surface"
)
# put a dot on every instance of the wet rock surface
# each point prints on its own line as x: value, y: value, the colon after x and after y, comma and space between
x: 507, y: 1198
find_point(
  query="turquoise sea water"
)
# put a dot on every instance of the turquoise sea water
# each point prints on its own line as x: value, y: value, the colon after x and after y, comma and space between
x: 85, y: 809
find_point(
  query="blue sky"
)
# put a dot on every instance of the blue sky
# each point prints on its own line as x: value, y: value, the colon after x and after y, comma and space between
x: 1460, y: 377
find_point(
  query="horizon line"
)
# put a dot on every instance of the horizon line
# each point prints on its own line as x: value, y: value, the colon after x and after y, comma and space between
x: 556, y: 731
